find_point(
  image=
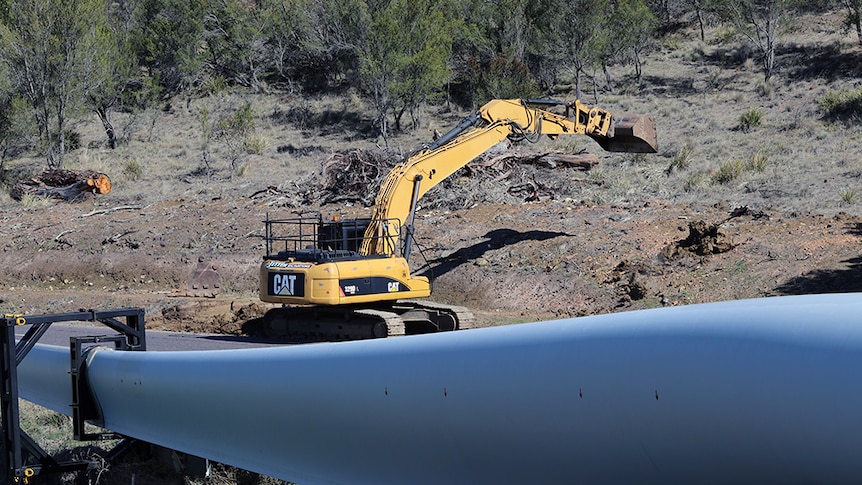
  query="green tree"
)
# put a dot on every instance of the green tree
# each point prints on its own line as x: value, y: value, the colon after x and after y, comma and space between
x: 586, y: 37
x: 379, y: 60
x: 495, y: 46
x: 289, y: 40
x: 6, y: 94
x: 631, y: 26
x: 168, y: 40
x: 471, y: 47
x: 234, y: 35
x: 15, y: 131
x: 513, y: 26
x: 111, y: 73
x: 427, y: 46
x: 46, y: 46
x: 404, y: 57
x: 547, y: 51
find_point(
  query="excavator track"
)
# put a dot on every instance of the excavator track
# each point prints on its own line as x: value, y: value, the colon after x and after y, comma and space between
x: 328, y: 324
x: 464, y: 318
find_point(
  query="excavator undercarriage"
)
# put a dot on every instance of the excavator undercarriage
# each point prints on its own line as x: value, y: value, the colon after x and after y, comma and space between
x: 321, y: 323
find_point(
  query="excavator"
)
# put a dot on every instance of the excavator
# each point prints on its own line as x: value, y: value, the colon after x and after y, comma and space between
x: 349, y: 279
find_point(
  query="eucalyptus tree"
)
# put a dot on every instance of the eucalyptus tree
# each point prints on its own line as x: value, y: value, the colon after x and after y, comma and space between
x: 168, y: 41
x: 46, y: 47
x: 631, y: 29
x: 403, y: 56
x: 761, y: 22
x: 585, y: 34
x: 427, y: 46
x: 112, y: 78
x: 6, y: 113
x: 235, y: 36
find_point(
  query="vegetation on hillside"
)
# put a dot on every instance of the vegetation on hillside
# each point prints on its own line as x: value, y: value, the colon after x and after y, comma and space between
x: 61, y: 58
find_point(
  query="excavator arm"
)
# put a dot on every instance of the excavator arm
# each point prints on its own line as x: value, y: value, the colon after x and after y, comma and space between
x: 494, y: 122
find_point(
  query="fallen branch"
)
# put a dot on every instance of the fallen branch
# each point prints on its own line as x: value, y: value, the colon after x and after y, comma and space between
x: 59, y: 239
x: 58, y: 236
x: 116, y: 237
x: 113, y: 209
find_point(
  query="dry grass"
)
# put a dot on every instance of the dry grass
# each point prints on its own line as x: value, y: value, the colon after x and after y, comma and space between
x: 709, y: 103
x: 53, y: 432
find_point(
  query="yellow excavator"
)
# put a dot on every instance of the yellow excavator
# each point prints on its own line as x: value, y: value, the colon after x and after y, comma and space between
x: 350, y: 279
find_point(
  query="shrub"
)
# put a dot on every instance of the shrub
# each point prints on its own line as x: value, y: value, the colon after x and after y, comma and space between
x: 728, y: 172
x: 212, y: 86
x: 682, y: 159
x: 32, y: 201
x: 843, y: 104
x: 757, y: 162
x: 695, y: 182
x: 255, y: 144
x: 751, y: 118
x: 133, y: 169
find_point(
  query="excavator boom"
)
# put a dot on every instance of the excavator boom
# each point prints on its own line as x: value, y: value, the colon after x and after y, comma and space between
x: 494, y: 122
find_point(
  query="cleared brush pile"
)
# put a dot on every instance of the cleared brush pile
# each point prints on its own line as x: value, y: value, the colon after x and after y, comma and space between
x: 356, y: 176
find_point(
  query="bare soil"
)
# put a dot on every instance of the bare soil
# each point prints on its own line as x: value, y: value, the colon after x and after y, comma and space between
x: 508, y: 263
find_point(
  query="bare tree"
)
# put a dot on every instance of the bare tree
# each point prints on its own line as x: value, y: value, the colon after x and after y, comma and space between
x: 761, y: 22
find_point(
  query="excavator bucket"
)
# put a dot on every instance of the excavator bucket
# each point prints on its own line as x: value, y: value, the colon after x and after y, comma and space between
x: 631, y: 133
x: 205, y: 281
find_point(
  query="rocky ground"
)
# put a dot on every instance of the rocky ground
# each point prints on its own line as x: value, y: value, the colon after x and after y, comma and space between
x: 507, y: 262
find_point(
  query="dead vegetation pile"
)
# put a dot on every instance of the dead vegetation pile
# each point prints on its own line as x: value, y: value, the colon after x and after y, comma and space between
x: 356, y: 176
x: 703, y: 239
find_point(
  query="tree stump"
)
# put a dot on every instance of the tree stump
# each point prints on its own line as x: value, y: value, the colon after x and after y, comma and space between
x: 67, y: 185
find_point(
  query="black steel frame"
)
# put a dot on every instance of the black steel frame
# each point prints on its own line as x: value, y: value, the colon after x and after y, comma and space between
x: 20, y: 451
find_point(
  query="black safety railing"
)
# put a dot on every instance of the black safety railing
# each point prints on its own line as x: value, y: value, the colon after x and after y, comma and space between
x: 308, y: 238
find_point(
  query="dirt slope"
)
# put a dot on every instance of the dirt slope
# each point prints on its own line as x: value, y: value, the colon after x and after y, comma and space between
x: 509, y: 263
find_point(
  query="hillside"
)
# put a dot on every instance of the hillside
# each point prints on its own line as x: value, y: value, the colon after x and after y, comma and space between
x: 782, y: 195
x: 570, y: 251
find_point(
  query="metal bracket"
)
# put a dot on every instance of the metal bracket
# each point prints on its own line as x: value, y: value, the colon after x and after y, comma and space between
x: 22, y: 457
x: 84, y: 405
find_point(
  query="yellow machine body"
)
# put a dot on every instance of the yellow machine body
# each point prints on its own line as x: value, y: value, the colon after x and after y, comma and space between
x: 356, y: 281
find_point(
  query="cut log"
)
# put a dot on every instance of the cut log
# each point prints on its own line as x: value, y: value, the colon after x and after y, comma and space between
x: 63, y: 184
x: 583, y: 161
